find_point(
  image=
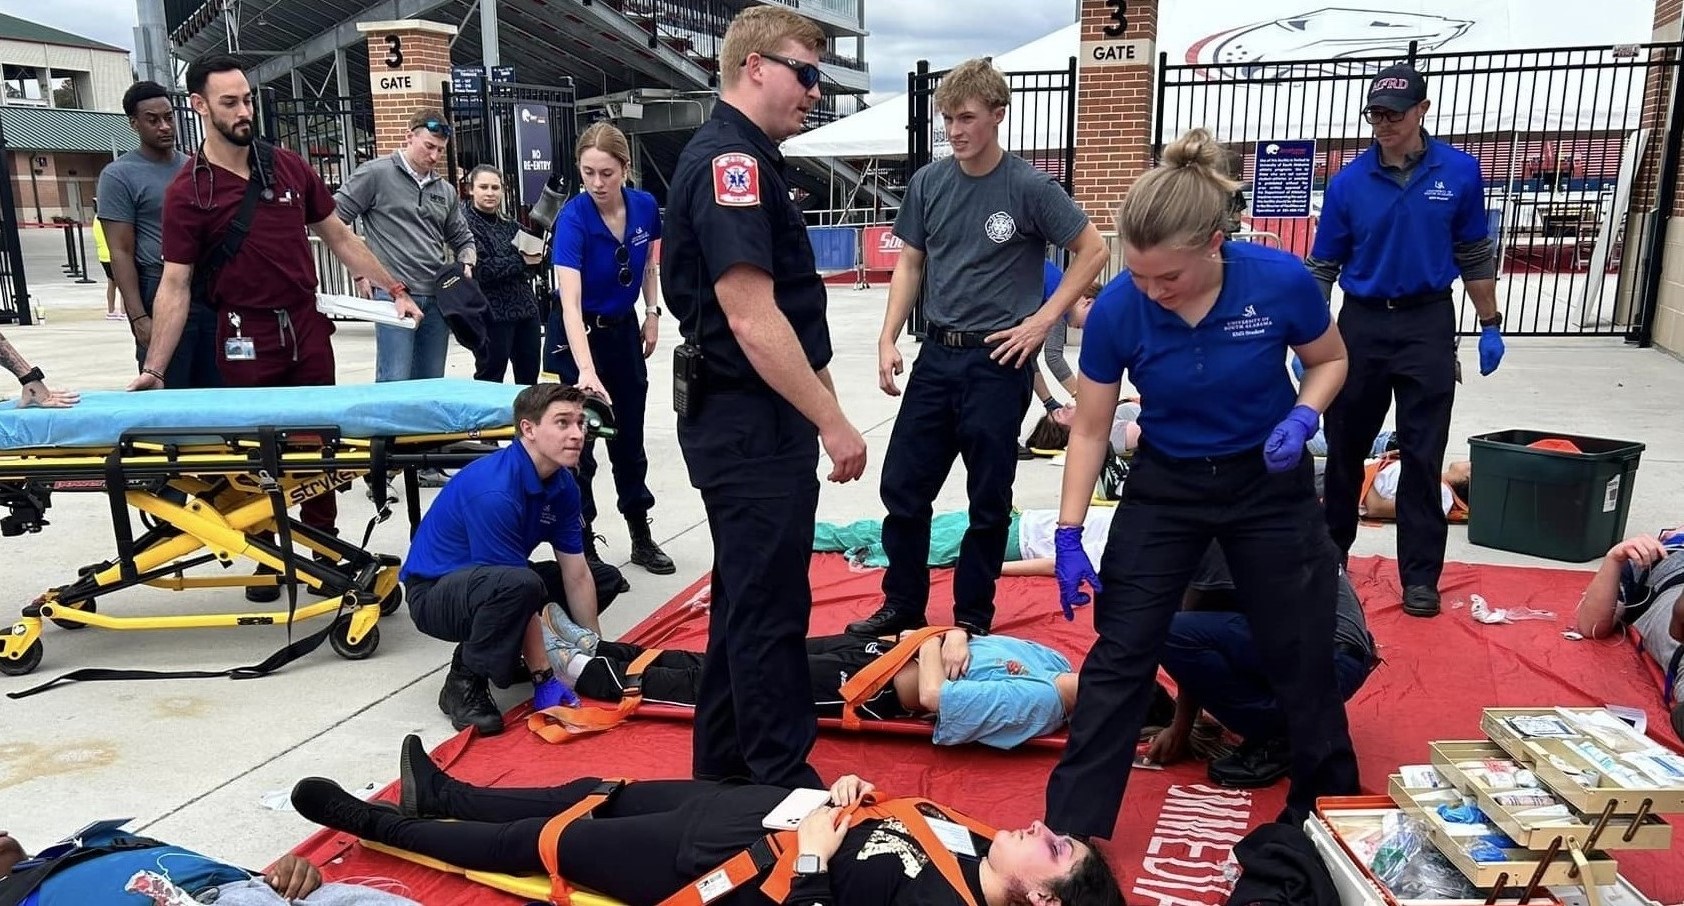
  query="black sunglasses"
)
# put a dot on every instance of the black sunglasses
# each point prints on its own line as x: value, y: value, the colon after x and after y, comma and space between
x: 622, y: 257
x: 805, y: 73
x: 437, y: 127
x: 1383, y: 114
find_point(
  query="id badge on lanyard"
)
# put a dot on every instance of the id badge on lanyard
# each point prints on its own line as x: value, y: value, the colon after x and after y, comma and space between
x: 238, y: 348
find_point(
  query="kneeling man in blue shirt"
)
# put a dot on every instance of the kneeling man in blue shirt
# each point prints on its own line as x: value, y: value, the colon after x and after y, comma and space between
x: 468, y: 579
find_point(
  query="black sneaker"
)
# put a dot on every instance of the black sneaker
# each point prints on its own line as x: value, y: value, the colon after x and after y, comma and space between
x: 590, y: 539
x: 885, y: 622
x: 264, y: 594
x: 1252, y: 765
x: 416, y: 778
x: 324, y: 802
x: 466, y: 700
x: 1420, y: 601
x: 1024, y: 453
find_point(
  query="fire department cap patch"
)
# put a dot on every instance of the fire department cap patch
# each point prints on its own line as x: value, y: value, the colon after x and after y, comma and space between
x: 736, y: 180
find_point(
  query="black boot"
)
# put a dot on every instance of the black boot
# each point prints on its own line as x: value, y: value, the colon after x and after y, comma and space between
x: 264, y: 594
x: 1253, y: 765
x: 590, y: 539
x: 466, y: 700
x: 885, y: 622
x: 1420, y: 601
x: 645, y: 552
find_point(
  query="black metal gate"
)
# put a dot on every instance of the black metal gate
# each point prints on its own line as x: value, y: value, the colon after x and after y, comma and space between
x: 1040, y: 127
x: 486, y: 123
x: 14, y: 288
x: 1573, y: 143
x: 334, y: 134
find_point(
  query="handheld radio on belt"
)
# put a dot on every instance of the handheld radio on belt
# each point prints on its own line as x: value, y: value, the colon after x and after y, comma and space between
x: 689, y: 366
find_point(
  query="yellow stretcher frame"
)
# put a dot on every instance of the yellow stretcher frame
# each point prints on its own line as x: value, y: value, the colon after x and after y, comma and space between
x: 208, y: 496
x: 532, y: 887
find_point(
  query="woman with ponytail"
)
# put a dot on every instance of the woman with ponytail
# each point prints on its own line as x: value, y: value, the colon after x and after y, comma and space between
x: 1202, y: 327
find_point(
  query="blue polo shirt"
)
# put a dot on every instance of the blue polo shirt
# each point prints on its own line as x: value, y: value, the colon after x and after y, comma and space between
x: 1396, y: 240
x: 1220, y: 387
x: 1051, y: 277
x: 495, y: 512
x: 583, y: 242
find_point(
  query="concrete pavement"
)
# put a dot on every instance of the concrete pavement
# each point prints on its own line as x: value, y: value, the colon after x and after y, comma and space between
x: 193, y: 760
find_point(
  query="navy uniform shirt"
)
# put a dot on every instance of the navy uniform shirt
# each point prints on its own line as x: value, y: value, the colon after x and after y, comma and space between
x: 1400, y: 240
x: 495, y: 512
x: 1217, y: 388
x: 584, y: 243
x: 729, y: 204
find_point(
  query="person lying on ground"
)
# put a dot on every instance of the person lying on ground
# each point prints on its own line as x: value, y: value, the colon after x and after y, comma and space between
x: 138, y: 873
x: 1029, y: 539
x: 1380, y: 483
x: 1213, y: 659
x: 654, y: 838
x: 1640, y: 584
x: 992, y: 689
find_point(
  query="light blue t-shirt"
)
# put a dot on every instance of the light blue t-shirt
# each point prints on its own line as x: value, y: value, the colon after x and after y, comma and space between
x: 1005, y: 698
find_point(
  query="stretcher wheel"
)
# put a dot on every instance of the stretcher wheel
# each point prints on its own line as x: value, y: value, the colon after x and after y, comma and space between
x: 340, y: 636
x: 88, y: 606
x: 390, y: 604
x: 30, y: 660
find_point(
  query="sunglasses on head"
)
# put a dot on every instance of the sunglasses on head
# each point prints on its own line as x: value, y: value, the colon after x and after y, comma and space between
x: 805, y: 73
x: 439, y: 128
x: 622, y: 257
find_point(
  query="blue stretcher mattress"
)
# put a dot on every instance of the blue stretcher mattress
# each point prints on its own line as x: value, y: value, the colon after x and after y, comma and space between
x: 395, y: 409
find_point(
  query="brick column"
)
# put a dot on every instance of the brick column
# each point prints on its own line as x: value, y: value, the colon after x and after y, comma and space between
x: 1657, y: 105
x: 408, y: 66
x: 1115, y: 73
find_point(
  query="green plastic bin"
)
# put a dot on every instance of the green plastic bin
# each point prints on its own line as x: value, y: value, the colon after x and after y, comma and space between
x: 1563, y: 506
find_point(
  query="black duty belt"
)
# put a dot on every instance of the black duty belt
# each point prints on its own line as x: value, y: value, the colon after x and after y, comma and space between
x: 958, y: 339
x: 608, y: 321
x: 1397, y: 303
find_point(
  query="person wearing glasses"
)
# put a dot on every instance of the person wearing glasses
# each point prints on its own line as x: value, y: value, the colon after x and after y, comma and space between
x: 1398, y: 225
x: 976, y: 228
x: 410, y: 213
x: 602, y: 247
x: 754, y: 396
x: 268, y: 331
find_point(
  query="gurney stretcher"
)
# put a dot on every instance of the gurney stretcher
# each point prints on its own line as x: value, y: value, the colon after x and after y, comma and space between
x: 213, y: 472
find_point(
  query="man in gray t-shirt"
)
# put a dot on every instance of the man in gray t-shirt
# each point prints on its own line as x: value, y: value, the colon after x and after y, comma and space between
x: 975, y: 229
x: 1640, y: 584
x: 131, y: 208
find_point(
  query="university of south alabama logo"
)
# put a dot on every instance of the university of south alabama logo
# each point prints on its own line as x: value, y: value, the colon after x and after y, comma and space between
x: 1250, y: 311
x: 1248, y: 324
x: 1269, y: 49
x: 736, y: 180
x: 1438, y: 191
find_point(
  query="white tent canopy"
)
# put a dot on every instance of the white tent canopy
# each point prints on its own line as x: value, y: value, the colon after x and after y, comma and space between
x: 1265, y: 33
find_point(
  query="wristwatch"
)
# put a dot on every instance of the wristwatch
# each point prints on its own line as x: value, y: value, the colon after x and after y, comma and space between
x: 31, y: 376
x: 652, y: 312
x: 809, y: 864
x: 1496, y: 320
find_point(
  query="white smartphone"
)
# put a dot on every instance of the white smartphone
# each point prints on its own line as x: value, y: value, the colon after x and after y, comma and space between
x: 796, y: 806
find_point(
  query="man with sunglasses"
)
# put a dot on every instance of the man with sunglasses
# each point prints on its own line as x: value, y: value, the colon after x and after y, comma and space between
x: 1398, y: 225
x: 754, y: 397
x: 410, y: 214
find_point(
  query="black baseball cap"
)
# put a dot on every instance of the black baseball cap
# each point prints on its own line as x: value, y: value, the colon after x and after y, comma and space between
x: 1396, y: 88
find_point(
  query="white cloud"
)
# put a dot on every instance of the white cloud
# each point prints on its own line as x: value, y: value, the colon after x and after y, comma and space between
x: 107, y: 21
x: 906, y: 31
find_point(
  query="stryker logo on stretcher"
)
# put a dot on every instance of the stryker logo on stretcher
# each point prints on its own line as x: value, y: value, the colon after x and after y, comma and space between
x: 306, y: 490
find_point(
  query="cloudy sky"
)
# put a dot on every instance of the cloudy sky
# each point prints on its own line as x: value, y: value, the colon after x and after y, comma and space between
x: 902, y: 31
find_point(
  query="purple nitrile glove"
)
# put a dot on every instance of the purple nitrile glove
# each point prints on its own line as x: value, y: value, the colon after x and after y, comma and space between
x: 1072, y: 567
x: 553, y: 693
x: 1286, y: 442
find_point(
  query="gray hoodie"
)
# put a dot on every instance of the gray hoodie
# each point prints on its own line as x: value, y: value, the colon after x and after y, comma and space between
x: 410, y: 225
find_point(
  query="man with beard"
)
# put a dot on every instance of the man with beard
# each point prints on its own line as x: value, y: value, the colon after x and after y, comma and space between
x: 258, y: 276
x: 131, y: 208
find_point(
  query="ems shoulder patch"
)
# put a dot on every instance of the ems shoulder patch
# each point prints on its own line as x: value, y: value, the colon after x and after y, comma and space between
x: 736, y: 180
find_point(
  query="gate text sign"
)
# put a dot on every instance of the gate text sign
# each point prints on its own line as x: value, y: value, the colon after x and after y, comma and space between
x: 534, y: 149
x: 1281, y: 178
x: 407, y: 82
x: 1115, y: 53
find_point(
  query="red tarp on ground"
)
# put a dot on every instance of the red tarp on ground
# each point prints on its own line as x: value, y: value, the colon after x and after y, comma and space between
x: 1437, y: 677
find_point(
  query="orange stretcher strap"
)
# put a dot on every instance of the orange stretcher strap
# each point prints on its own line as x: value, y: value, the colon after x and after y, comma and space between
x: 869, y: 681
x: 549, y: 839
x: 559, y: 724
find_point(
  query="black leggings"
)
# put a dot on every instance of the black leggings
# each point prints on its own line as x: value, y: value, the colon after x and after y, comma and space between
x: 642, y: 846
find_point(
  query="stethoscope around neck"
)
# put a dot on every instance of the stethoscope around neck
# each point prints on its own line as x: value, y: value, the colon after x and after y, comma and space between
x: 201, y: 162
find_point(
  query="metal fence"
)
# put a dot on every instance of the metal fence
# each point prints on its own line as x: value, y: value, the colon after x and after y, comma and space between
x: 1040, y: 127
x: 1562, y: 136
x: 14, y: 287
x: 333, y: 134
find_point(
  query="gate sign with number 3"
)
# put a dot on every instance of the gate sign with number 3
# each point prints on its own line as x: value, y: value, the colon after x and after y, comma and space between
x: 1119, y: 15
